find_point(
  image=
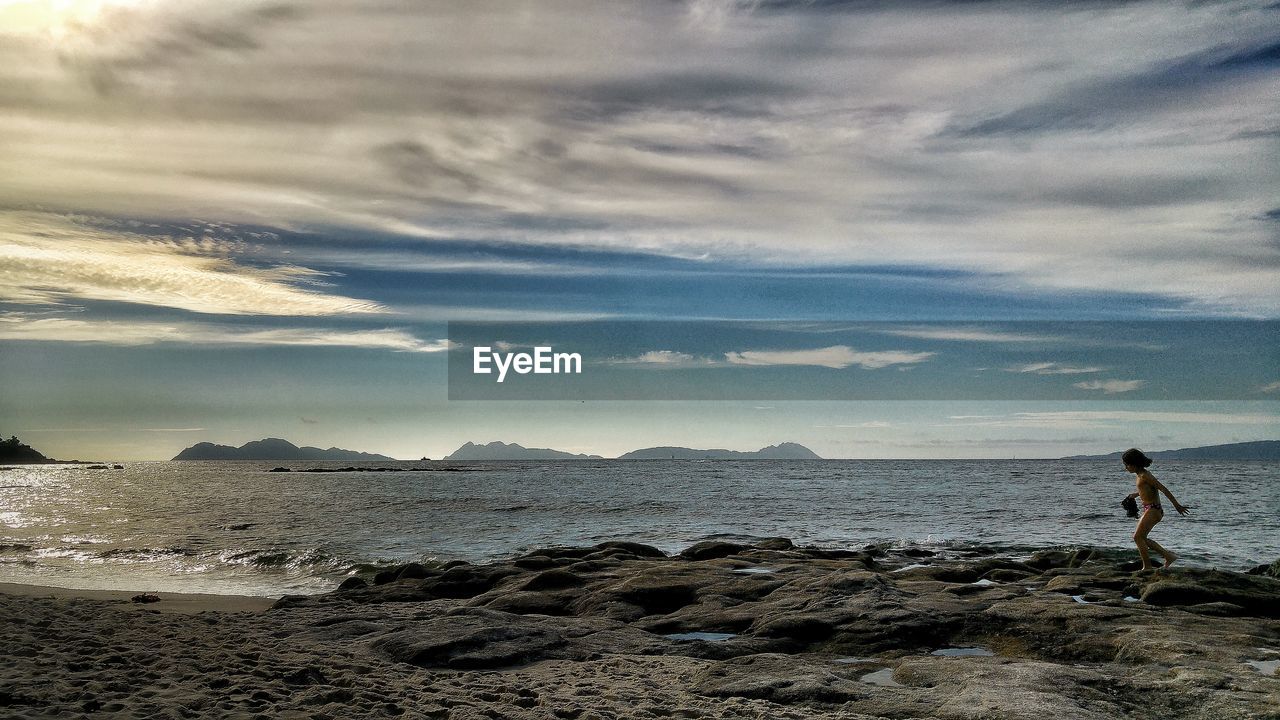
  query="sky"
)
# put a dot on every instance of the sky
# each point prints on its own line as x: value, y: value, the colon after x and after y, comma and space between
x: 227, y: 221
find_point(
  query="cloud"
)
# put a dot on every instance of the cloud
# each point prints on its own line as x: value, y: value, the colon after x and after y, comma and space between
x: 49, y: 260
x: 836, y: 357
x: 968, y: 334
x: 1110, y: 387
x: 23, y: 327
x: 1270, y: 387
x: 663, y: 359
x: 173, y: 430
x: 1109, y: 418
x: 789, y: 133
x: 1052, y: 368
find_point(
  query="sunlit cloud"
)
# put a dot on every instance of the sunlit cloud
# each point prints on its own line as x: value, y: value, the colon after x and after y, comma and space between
x: 49, y: 260
x: 837, y: 357
x: 663, y: 359
x: 1110, y: 387
x: 1053, y: 368
x: 19, y: 326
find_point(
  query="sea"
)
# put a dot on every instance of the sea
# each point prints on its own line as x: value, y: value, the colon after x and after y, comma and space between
x: 236, y: 528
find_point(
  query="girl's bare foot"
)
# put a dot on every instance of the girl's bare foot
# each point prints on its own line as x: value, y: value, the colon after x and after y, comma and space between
x: 1169, y: 559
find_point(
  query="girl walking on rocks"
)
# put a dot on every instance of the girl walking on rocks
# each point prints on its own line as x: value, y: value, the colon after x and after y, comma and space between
x: 1149, y: 489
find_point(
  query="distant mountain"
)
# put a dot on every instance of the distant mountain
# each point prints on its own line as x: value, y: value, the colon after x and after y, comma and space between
x: 272, y: 449
x: 781, y: 451
x: 1256, y: 450
x: 511, y: 451
x: 17, y: 452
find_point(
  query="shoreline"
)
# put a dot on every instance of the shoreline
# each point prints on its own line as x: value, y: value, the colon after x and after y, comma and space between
x: 926, y: 553
x: 186, y: 603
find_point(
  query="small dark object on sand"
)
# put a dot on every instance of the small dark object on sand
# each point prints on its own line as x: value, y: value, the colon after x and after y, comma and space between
x: 145, y: 598
x: 1130, y: 506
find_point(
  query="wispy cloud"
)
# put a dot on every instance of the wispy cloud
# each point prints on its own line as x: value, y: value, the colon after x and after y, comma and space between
x: 836, y: 357
x: 663, y: 359
x: 46, y: 259
x: 1270, y: 388
x: 1052, y: 368
x: 968, y: 334
x: 19, y: 326
x: 1110, y: 387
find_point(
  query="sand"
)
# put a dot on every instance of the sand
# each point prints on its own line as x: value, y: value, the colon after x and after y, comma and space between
x: 89, y: 653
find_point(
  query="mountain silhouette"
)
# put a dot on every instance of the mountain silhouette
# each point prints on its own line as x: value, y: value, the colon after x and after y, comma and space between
x: 15, y: 451
x: 781, y: 451
x: 1256, y: 450
x: 511, y: 451
x: 272, y: 449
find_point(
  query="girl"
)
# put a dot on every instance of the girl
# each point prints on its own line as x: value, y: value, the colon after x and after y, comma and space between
x: 1149, y: 489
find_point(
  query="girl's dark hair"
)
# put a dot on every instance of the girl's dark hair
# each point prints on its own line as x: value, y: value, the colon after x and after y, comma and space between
x: 1135, y: 458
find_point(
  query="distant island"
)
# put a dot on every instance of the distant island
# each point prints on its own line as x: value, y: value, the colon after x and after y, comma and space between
x: 1256, y: 450
x: 511, y: 451
x: 15, y: 451
x: 781, y: 451
x: 273, y: 449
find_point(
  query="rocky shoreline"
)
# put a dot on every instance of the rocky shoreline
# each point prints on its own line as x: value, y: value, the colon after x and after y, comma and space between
x: 621, y: 630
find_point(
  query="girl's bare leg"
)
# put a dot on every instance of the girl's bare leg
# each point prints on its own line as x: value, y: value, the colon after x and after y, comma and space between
x: 1168, y: 556
x: 1145, y: 523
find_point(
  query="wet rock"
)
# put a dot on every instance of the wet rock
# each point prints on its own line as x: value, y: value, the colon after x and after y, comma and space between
x: 1272, y: 570
x: 465, y: 581
x: 632, y: 548
x: 657, y: 593
x: 943, y: 573
x: 777, y: 543
x: 1045, y: 559
x: 778, y: 678
x: 413, y: 571
x: 1217, y: 609
x: 711, y: 549
x: 464, y: 641
x: 552, y: 580
x: 353, y: 583
x: 526, y: 603
x: 534, y: 562
x: 1257, y: 594
x: 1006, y: 576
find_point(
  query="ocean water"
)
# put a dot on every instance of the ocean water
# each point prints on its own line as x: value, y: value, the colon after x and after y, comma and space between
x: 234, y: 528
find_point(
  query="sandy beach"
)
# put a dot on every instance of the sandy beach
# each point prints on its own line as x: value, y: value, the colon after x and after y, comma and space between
x: 620, y: 630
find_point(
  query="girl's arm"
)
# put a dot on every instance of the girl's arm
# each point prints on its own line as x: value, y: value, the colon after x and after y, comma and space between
x: 1182, y: 509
